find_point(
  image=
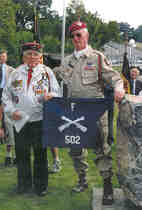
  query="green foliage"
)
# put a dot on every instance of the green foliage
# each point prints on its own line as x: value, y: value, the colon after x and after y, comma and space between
x: 32, y: 2
x: 27, y: 10
x: 113, y: 31
x: 7, y: 20
x: 17, y: 25
x: 138, y: 34
x: 100, y: 32
x: 8, y: 26
x: 76, y: 10
x: 51, y: 27
x: 51, y: 44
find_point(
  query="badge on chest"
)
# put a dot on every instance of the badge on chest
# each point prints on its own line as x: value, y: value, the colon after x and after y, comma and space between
x: 17, y: 83
x: 40, y: 84
x: 90, y: 66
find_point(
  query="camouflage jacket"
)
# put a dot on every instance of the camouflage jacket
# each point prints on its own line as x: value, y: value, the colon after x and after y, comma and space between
x: 82, y: 74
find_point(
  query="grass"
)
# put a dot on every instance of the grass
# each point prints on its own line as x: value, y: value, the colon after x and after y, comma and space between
x: 139, y: 45
x: 60, y: 185
x: 118, y: 68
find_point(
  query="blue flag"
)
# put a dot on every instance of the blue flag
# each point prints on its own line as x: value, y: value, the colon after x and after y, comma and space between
x: 72, y: 122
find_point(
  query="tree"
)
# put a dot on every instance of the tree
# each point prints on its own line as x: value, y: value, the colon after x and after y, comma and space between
x: 126, y: 28
x: 100, y: 32
x: 8, y: 39
x: 25, y: 13
x: 138, y: 34
x: 17, y: 25
x: 113, y: 31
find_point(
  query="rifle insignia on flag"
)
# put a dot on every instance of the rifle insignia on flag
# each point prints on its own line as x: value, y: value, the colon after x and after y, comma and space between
x: 72, y: 122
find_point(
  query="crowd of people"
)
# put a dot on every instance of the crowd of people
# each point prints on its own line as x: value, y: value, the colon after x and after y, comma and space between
x: 85, y: 72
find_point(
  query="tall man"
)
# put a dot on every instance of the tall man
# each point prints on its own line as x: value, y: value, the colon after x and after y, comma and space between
x: 5, y: 71
x: 83, y: 72
x: 23, y: 100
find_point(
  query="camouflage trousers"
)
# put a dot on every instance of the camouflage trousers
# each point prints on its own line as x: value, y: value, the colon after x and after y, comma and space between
x: 103, y: 158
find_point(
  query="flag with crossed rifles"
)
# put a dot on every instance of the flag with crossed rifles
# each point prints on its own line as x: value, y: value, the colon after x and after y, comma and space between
x: 73, y: 122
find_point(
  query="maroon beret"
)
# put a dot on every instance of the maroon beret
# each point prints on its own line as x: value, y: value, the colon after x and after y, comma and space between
x: 77, y: 26
x: 32, y: 46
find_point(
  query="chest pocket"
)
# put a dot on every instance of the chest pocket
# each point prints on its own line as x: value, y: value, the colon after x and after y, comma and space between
x: 89, y: 76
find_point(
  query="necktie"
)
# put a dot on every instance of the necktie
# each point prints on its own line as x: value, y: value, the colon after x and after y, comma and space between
x: 1, y: 73
x: 134, y: 86
x: 29, y: 76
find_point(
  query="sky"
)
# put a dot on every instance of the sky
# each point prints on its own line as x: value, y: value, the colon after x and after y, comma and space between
x: 110, y: 10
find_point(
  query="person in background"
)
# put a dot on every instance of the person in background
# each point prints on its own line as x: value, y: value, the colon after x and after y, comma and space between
x: 135, y: 82
x: 2, y: 130
x: 5, y: 71
x: 84, y: 72
x: 56, y: 161
x: 27, y: 88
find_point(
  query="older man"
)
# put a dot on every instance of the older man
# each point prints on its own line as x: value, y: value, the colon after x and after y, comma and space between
x: 85, y: 72
x: 23, y: 100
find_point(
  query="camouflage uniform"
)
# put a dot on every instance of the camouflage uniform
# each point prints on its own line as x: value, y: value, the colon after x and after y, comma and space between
x: 81, y: 75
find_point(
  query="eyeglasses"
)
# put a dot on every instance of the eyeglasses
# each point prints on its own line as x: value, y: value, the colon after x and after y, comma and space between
x: 32, y: 53
x: 78, y: 35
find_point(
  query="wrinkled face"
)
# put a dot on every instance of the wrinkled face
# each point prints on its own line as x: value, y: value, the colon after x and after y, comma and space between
x: 80, y: 39
x: 134, y: 73
x: 3, y: 58
x: 32, y: 58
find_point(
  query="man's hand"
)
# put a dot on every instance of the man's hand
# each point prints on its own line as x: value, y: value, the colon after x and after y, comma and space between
x: 118, y: 95
x: 16, y: 115
x: 47, y: 96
